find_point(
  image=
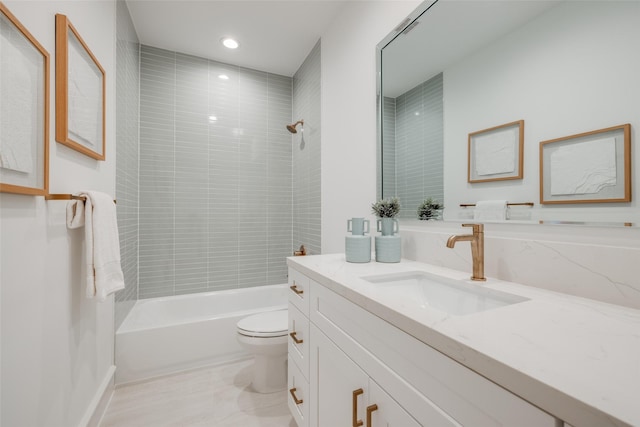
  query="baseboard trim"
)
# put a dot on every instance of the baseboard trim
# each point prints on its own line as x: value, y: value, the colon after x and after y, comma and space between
x: 98, y: 405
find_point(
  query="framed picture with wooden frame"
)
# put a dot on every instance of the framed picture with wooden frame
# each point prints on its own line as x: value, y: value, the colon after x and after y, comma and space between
x: 24, y: 109
x: 590, y: 167
x: 80, y: 93
x: 495, y: 154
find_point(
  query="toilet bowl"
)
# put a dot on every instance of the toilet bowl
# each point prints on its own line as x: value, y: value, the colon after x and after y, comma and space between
x: 265, y: 336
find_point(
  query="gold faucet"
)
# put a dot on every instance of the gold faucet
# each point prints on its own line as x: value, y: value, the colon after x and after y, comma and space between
x: 477, y: 248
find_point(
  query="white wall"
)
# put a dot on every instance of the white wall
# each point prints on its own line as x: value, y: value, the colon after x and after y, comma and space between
x: 544, y: 73
x: 349, y: 112
x: 56, y: 345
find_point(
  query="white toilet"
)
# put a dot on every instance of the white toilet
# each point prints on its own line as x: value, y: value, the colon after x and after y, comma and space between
x: 265, y: 336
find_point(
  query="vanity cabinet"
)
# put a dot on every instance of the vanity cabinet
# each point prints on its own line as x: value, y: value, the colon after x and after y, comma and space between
x: 344, y: 392
x: 359, y: 367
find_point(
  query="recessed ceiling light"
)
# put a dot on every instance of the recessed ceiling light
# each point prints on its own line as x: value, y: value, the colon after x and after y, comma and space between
x: 213, y: 118
x: 223, y: 77
x: 230, y: 43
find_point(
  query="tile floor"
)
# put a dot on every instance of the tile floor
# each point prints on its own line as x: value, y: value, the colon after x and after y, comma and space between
x: 219, y: 396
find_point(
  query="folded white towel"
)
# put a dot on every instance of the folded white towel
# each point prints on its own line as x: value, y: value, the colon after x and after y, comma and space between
x: 102, y: 245
x: 490, y: 210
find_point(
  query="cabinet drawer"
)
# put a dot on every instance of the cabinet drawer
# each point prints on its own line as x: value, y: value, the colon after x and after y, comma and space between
x: 297, y: 388
x: 299, y: 294
x: 463, y: 395
x: 299, y: 339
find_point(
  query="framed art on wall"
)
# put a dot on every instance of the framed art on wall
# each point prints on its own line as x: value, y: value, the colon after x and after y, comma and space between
x: 80, y: 93
x: 495, y: 154
x: 24, y: 109
x: 590, y: 167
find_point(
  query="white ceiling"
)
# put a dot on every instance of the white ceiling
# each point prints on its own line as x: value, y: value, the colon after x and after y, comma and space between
x: 274, y: 36
x: 447, y: 32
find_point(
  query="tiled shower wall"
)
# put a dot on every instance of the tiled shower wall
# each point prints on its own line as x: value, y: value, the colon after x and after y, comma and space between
x: 215, y: 175
x: 306, y: 154
x: 418, y: 146
x: 127, y: 116
x: 388, y: 149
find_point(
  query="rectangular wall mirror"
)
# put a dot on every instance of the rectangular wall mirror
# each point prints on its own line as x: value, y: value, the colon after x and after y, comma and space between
x: 455, y: 67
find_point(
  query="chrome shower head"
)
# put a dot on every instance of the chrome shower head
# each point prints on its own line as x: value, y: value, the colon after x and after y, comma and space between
x: 292, y: 127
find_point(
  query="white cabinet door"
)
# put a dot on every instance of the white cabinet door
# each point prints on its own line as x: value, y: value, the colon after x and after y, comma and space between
x: 298, y: 397
x: 383, y: 411
x: 338, y: 395
x: 298, y: 346
x: 299, y: 295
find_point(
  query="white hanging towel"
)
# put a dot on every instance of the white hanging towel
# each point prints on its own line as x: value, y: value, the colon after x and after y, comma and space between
x: 102, y: 245
x: 490, y: 210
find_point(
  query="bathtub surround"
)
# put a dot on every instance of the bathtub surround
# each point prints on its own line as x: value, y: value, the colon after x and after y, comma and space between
x: 170, y: 334
x: 215, y: 175
x: 306, y: 154
x: 57, y: 345
x: 127, y: 188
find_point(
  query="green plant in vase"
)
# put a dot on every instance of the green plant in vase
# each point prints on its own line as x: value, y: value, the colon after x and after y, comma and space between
x: 386, y: 208
x: 430, y: 209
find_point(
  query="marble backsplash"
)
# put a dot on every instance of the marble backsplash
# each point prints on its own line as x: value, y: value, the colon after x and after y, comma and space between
x: 600, y: 264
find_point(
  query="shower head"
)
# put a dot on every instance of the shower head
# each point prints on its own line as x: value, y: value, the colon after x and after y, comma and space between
x: 292, y: 128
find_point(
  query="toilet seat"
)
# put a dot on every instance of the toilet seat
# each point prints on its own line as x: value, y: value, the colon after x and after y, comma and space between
x: 265, y: 325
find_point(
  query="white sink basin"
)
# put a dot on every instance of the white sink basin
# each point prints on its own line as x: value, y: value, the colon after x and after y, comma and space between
x: 426, y: 290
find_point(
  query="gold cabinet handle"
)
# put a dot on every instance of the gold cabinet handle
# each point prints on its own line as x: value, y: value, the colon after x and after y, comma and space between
x: 370, y: 409
x: 295, y: 289
x: 295, y: 339
x: 355, y: 421
x: 295, y: 398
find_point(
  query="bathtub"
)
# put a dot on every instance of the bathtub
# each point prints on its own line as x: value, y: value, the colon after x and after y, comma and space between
x: 171, y: 334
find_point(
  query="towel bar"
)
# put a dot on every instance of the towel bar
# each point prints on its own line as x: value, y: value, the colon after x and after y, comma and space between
x: 468, y: 205
x: 66, y: 197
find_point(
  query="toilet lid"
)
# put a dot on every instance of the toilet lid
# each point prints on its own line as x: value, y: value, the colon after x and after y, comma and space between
x: 268, y: 324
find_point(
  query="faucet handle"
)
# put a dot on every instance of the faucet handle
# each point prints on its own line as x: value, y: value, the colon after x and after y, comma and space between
x: 477, y: 228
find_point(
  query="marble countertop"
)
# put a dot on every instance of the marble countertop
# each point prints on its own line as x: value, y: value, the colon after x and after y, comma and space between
x: 576, y: 358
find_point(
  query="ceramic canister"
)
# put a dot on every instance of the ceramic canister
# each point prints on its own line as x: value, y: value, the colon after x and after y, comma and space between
x: 388, y: 226
x: 388, y: 248
x: 358, y: 226
x: 358, y: 248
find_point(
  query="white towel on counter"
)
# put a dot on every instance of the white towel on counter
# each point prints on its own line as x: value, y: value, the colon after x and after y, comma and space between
x: 102, y: 244
x: 490, y: 210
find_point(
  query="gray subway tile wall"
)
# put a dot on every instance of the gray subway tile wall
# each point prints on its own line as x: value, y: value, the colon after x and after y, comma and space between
x: 418, y: 146
x: 389, y: 148
x: 215, y: 180
x: 306, y: 154
x: 127, y: 115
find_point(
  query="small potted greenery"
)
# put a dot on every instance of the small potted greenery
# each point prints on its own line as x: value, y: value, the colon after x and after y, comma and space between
x: 386, y: 210
x: 430, y: 209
